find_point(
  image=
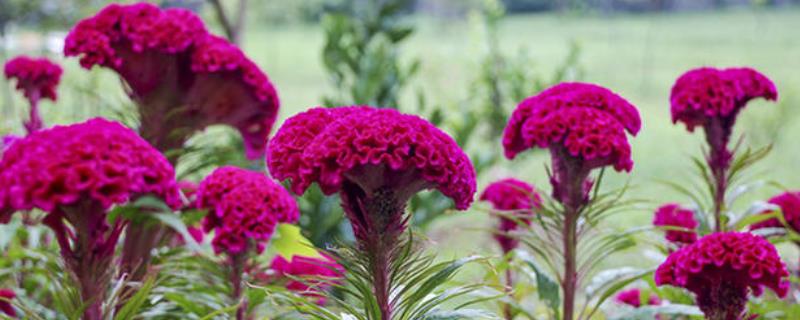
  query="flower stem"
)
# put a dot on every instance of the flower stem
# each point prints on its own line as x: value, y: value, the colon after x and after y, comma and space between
x: 237, y: 270
x: 718, y: 134
x: 507, y: 308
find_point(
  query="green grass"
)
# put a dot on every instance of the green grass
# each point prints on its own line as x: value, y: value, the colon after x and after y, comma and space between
x: 637, y: 56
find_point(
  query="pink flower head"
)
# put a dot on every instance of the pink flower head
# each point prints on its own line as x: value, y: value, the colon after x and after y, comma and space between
x: 587, y: 121
x: 6, y: 296
x: 373, y: 149
x: 96, y: 160
x: 673, y: 215
x: 183, y: 78
x: 311, y: 276
x: 720, y: 268
x: 633, y: 298
x: 36, y: 78
x: 789, y: 202
x: 703, y: 94
x: 244, y: 205
x: 511, y: 195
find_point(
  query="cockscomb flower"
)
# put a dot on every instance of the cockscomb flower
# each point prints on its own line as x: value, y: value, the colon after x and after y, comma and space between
x: 6, y: 296
x: 633, y: 298
x: 309, y: 276
x: 182, y: 78
x: 789, y: 202
x: 76, y: 173
x: 673, y: 215
x: 243, y: 206
x: 376, y: 159
x: 516, y: 197
x: 38, y: 79
x: 721, y: 268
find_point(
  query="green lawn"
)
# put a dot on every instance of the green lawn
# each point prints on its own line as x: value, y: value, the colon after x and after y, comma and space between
x: 637, y: 56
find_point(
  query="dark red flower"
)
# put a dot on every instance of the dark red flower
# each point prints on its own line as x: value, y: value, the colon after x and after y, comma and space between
x: 588, y: 120
x: 673, y: 215
x: 37, y: 78
x: 702, y: 94
x: 244, y: 206
x: 309, y: 276
x: 76, y: 173
x: 721, y: 268
x: 182, y: 78
x: 516, y: 197
x: 789, y: 202
x: 373, y: 148
x: 633, y: 298
x: 6, y: 296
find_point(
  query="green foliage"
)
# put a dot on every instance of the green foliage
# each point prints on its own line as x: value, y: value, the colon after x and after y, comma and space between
x: 420, y: 288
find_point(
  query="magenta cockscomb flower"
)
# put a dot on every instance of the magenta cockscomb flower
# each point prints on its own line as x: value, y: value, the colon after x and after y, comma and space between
x: 182, y: 78
x: 245, y: 206
x: 789, y: 202
x: 584, y: 126
x: 516, y: 198
x: 309, y: 276
x: 6, y: 296
x: 76, y: 173
x: 673, y: 215
x: 722, y: 268
x: 376, y: 159
x: 633, y: 298
x: 244, y: 209
x: 38, y: 79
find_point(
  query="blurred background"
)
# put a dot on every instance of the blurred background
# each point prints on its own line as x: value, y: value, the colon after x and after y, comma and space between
x: 465, y: 64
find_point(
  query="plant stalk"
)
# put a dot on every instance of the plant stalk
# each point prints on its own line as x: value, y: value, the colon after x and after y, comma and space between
x: 237, y: 270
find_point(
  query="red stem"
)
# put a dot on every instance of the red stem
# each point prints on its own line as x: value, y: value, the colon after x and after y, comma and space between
x: 237, y: 270
x: 507, y: 308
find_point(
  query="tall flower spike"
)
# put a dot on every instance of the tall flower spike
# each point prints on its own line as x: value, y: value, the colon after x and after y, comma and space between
x: 789, y: 203
x: 721, y: 268
x: 584, y: 127
x: 376, y: 159
x: 308, y: 276
x: 76, y: 173
x: 518, y: 199
x: 182, y: 78
x: 673, y: 215
x: 37, y: 79
x: 712, y: 98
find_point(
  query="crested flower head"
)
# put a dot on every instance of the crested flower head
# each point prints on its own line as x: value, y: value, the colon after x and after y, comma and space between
x: 673, y: 215
x: 721, y: 268
x: 515, y: 196
x: 6, y: 296
x: 633, y: 298
x: 789, y: 203
x: 243, y: 205
x: 96, y: 160
x: 36, y: 78
x: 309, y: 276
x: 586, y: 121
x: 373, y: 149
x: 183, y: 78
x: 703, y: 94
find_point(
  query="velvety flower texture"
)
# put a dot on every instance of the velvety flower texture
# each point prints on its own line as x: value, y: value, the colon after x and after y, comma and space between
x: 673, y: 215
x: 789, y: 202
x: 633, y: 298
x: 37, y: 78
x: 6, y: 296
x: 96, y: 160
x: 518, y: 198
x: 311, y: 276
x: 372, y: 148
x: 244, y: 206
x: 703, y: 94
x: 721, y: 268
x: 182, y: 77
x: 586, y: 120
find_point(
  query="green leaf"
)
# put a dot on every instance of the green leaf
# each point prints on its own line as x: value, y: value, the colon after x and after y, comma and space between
x: 547, y: 288
x: 131, y: 308
x: 460, y: 314
x: 174, y: 221
x: 287, y: 241
x: 650, y: 312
